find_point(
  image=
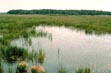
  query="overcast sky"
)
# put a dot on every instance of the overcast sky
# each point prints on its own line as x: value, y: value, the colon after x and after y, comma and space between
x: 6, y: 5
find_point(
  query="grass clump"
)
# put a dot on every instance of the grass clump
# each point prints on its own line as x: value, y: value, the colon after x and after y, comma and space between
x: 12, y: 54
x: 87, y: 70
x: 62, y: 70
x: 10, y: 70
x: 38, y: 57
x: 22, y: 67
x: 81, y: 70
x: 37, y: 69
x: 41, y: 56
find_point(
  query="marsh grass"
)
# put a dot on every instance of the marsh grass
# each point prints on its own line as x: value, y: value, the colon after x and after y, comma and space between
x: 87, y: 70
x: 83, y: 70
x: 14, y: 26
x: 33, y: 56
x: 10, y: 70
x: 80, y: 70
x: 62, y: 70
x: 22, y: 67
x: 12, y: 54
x: 37, y: 57
x: 1, y: 67
x: 41, y: 56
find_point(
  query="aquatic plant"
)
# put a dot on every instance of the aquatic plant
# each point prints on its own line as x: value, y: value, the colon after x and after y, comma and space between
x: 87, y: 70
x: 12, y: 54
x: 33, y: 56
x: 37, y: 69
x: 40, y: 56
x: 4, y: 42
x: 1, y: 67
x: 62, y: 70
x: 81, y: 70
x: 37, y: 56
x: 22, y: 67
x: 10, y: 70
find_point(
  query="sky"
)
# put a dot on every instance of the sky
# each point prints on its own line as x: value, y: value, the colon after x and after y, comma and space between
x: 6, y: 5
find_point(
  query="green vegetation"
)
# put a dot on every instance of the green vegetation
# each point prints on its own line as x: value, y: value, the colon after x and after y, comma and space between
x: 41, y: 56
x: 12, y: 54
x: 15, y: 26
x: 22, y: 67
x: 10, y: 70
x: 1, y: 67
x: 62, y: 70
x: 66, y: 12
x: 81, y: 70
x: 37, y: 57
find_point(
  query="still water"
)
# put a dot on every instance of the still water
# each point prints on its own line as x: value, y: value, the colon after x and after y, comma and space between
x: 71, y: 49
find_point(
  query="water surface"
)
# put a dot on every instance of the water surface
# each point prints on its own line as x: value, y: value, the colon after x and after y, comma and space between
x: 76, y: 49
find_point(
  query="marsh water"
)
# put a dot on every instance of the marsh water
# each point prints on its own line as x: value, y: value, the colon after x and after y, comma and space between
x: 71, y: 49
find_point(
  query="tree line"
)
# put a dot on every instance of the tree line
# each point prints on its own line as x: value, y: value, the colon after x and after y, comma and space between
x: 65, y: 12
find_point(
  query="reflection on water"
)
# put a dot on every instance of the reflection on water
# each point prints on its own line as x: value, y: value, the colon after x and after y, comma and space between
x: 75, y: 49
